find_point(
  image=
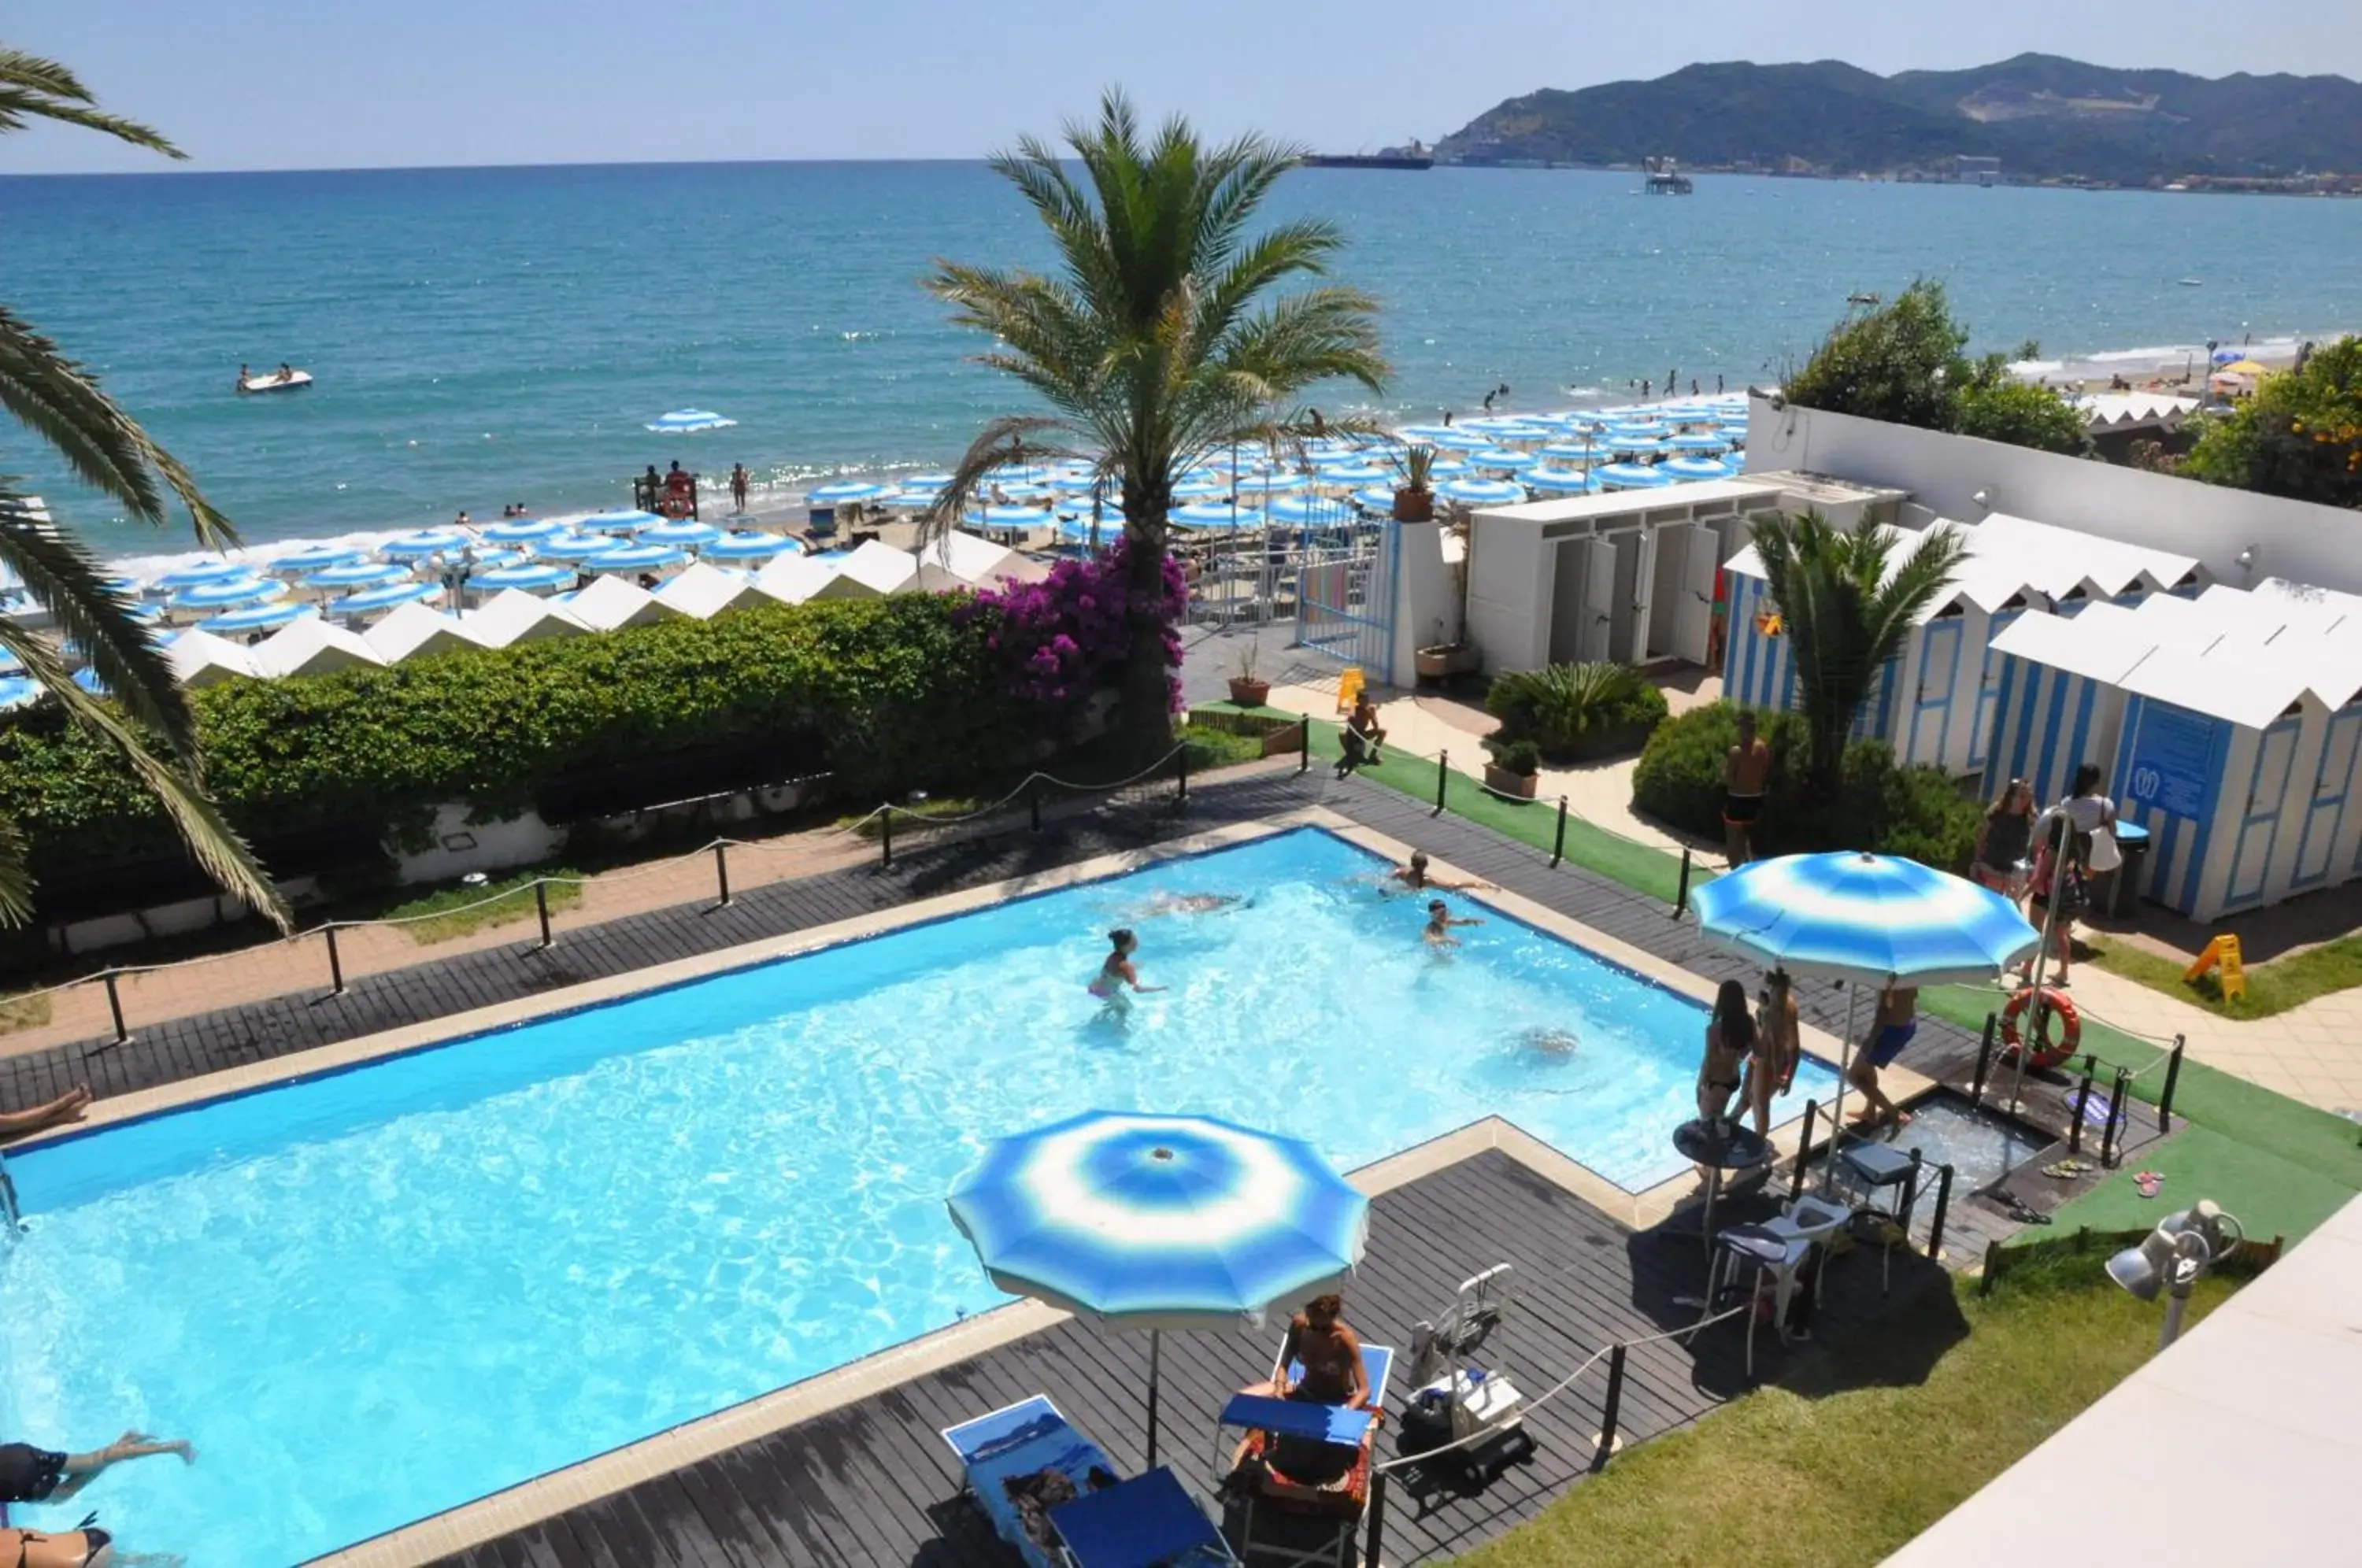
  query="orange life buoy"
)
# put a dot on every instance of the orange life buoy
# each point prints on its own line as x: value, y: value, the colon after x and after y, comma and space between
x: 2046, y: 1053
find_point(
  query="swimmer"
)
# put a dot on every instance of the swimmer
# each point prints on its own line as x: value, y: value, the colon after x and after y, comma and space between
x: 1557, y: 1045
x: 1117, y: 972
x: 1189, y: 903
x: 1440, y: 921
x: 1414, y: 878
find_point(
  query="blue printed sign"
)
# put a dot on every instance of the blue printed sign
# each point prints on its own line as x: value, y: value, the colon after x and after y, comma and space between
x: 2173, y: 755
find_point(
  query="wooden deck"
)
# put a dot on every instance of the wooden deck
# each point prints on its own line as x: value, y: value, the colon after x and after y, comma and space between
x: 873, y: 1485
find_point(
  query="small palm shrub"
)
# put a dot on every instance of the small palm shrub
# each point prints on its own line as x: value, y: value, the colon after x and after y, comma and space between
x: 1570, y: 710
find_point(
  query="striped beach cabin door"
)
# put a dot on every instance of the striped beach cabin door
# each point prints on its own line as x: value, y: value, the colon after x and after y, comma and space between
x: 1980, y: 730
x: 1935, y: 679
x: 2333, y: 787
x: 2259, y: 822
x: 2169, y: 780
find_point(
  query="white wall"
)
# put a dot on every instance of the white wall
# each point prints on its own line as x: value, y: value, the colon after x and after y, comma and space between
x: 1423, y: 590
x: 2291, y: 538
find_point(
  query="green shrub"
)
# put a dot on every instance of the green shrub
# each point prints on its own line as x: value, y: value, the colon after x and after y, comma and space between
x: 1522, y: 757
x: 1914, y: 812
x: 889, y: 694
x: 1560, y: 707
x: 1213, y: 747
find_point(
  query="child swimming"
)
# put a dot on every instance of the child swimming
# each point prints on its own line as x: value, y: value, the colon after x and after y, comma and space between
x: 1440, y: 922
x: 1116, y: 972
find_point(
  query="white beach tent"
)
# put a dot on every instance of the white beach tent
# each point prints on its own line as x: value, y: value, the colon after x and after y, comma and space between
x: 871, y: 571
x: 514, y: 616
x: 705, y: 592
x: 201, y: 658
x: 792, y: 580
x: 313, y: 646
x: 612, y: 603
x: 415, y: 631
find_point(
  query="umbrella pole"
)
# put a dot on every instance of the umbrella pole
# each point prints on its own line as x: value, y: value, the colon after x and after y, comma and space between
x: 1155, y: 1345
x: 1836, y: 1107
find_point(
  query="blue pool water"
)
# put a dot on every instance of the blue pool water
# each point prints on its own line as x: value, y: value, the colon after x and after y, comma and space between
x: 380, y: 1294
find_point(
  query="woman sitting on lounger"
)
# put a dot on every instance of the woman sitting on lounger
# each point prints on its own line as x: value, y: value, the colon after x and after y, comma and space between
x: 1328, y: 1352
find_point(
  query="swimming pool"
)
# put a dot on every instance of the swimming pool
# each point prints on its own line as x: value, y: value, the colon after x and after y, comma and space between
x: 379, y: 1294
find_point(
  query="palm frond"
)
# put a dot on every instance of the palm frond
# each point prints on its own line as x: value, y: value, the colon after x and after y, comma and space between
x: 1002, y: 441
x: 33, y: 88
x: 64, y: 578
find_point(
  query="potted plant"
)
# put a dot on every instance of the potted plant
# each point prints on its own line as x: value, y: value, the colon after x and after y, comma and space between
x: 1245, y: 689
x: 1415, y: 498
x: 1513, y: 768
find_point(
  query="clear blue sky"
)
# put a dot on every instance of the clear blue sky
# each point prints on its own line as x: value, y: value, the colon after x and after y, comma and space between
x: 328, y: 83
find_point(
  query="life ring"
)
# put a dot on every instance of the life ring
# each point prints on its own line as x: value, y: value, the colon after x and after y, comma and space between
x: 2046, y: 1053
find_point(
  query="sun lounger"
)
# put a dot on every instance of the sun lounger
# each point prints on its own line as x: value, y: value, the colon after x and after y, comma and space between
x: 1131, y: 1524
x: 1274, y: 1427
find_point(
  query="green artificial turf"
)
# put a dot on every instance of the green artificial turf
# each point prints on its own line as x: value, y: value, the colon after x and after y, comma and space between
x: 2270, y: 1196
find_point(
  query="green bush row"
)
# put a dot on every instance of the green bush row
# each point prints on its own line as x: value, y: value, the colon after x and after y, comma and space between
x: 1573, y: 712
x: 1914, y: 812
x: 889, y: 694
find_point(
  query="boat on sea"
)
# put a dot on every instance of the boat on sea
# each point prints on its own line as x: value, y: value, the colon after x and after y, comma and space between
x: 280, y: 381
x: 1414, y: 156
x: 1663, y: 177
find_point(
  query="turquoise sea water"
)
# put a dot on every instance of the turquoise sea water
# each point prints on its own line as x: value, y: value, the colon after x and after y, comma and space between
x: 380, y: 1294
x: 489, y: 336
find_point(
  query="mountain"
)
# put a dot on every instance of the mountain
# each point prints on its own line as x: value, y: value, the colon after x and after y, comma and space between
x: 2041, y: 116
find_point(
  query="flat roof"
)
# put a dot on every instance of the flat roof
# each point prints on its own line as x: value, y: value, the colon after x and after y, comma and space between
x: 1620, y: 503
x: 2238, y: 1444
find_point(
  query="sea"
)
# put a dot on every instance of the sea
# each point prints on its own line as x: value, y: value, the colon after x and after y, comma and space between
x: 484, y: 336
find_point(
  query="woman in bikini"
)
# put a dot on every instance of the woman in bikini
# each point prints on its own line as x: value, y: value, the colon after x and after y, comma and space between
x: 1729, y: 1039
x: 1772, y: 1065
x: 1117, y: 973
x: 1329, y: 1353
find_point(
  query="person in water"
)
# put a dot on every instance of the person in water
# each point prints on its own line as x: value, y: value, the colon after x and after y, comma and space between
x: 1328, y: 1354
x: 1413, y: 878
x: 1189, y: 903
x: 1439, y: 922
x: 68, y: 1106
x: 1116, y: 972
x: 1729, y: 1041
x: 29, y: 1474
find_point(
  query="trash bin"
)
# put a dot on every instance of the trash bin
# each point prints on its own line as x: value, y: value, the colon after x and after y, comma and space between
x: 2125, y: 882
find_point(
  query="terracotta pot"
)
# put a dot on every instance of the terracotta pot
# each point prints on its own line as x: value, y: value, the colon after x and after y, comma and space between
x: 1501, y: 781
x: 1414, y: 505
x: 1445, y: 659
x: 1249, y: 692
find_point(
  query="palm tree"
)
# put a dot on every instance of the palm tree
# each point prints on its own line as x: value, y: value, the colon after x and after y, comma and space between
x: 1159, y: 341
x: 149, y: 721
x: 1847, y: 608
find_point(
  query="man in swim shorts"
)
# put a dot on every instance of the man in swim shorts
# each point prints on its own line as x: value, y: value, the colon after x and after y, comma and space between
x: 1744, y: 773
x: 1897, y: 1021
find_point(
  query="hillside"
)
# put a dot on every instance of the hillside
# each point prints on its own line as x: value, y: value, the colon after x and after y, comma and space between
x: 2041, y: 116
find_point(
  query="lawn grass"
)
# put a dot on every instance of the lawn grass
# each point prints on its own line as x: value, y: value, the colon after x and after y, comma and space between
x: 2272, y: 988
x: 1211, y: 748
x: 23, y: 1012
x: 461, y: 910
x: 1868, y: 1441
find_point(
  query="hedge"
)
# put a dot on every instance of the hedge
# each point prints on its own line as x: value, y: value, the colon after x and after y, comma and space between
x: 1916, y: 812
x: 889, y: 694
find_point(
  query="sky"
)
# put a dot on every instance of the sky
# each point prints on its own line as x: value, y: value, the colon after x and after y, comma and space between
x: 303, y: 83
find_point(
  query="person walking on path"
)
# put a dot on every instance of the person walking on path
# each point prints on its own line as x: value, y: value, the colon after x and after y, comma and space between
x: 1897, y: 1021
x: 1744, y: 773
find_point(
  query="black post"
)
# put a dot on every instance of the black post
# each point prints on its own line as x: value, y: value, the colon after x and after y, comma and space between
x: 1442, y: 779
x: 721, y: 868
x: 541, y: 906
x: 335, y: 963
x: 2118, y: 1118
x: 1681, y: 896
x: 1303, y: 766
x: 1558, y: 845
x: 886, y: 833
x: 1803, y: 1149
x: 1984, y: 1061
x: 1033, y: 801
x: 115, y: 1006
x: 2172, y: 1077
x: 2082, y: 1102
x: 1181, y: 754
x: 1614, y: 1408
x: 1378, y: 1519
x: 1943, y: 1207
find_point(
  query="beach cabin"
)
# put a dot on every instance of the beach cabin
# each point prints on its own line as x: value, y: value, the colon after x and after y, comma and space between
x: 415, y: 631
x: 2059, y: 701
x: 704, y: 591
x: 201, y: 658
x: 792, y: 580
x: 514, y: 616
x: 313, y: 647
x: 611, y: 604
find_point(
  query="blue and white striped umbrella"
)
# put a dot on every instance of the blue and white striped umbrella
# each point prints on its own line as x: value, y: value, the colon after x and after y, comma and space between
x: 1199, y: 486
x: 1697, y: 443
x: 1631, y: 476
x: 1559, y: 481
x: 1015, y: 473
x: 229, y: 593
x: 684, y: 532
x: 1214, y: 514
x: 196, y: 574
x: 915, y: 498
x: 523, y: 530
x: 1158, y: 1223
x: 1314, y: 511
x: 573, y: 547
x: 371, y: 601
x: 630, y: 520
x: 1507, y: 458
x: 1360, y: 472
x: 424, y: 542
x: 746, y: 548
x: 1463, y: 440
x: 1009, y: 516
x: 319, y: 558
x: 925, y: 481
x: 1576, y: 451
x: 1270, y: 484
x: 1481, y: 492
x: 1637, y: 442
x: 1448, y: 467
x: 358, y: 574
x: 683, y: 421
x: 635, y: 557
x: 1024, y: 492
x: 1699, y: 468
x: 1376, y: 500
x: 259, y: 617
x: 528, y: 577
x: 843, y: 491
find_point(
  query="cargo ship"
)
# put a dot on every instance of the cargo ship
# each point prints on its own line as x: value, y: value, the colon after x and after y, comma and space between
x: 1415, y: 155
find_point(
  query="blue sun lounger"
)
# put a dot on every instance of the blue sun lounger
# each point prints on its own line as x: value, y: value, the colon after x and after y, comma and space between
x: 1147, y: 1520
x: 1341, y: 1498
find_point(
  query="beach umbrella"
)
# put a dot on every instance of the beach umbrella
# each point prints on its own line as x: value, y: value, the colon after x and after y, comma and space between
x: 1358, y: 472
x: 424, y: 542
x: 1155, y: 1222
x: 319, y: 558
x: 684, y: 421
x: 1698, y: 442
x: 927, y: 482
x: 1871, y: 918
x: 1199, y: 486
x: 531, y: 576
x: 635, y: 557
x: 1697, y: 468
x: 196, y: 574
x: 1310, y: 510
x: 496, y: 559
x: 1448, y: 467
x: 1215, y: 515
x: 1685, y: 414
x: 1461, y: 440
x: 1015, y: 473
x: 1376, y: 500
x: 1481, y: 492
x: 1631, y: 476
x: 523, y: 530
x: 1574, y: 451
x: 2227, y: 356
x: 843, y: 491
x: 2246, y: 368
x: 682, y: 532
x: 1638, y: 446
x: 746, y: 548
x: 229, y: 593
x: 1270, y: 484
x: 259, y: 617
x: 1010, y: 516
x: 359, y: 574
x: 573, y: 547
x: 1501, y: 457
x: 630, y: 520
x: 372, y: 599
x: 1024, y: 492
x: 1563, y: 481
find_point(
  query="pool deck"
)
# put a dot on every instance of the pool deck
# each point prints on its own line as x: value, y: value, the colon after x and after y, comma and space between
x: 808, y: 1477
